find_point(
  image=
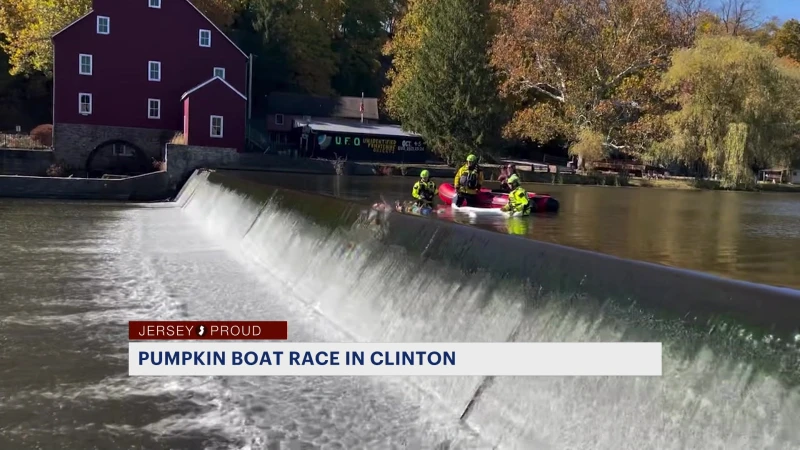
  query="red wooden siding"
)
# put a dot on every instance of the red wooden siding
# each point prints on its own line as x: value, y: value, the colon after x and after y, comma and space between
x: 216, y: 99
x: 119, y: 82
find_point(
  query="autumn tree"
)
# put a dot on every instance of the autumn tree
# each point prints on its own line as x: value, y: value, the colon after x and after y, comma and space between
x: 737, y: 108
x: 583, y: 69
x: 29, y: 24
x: 787, y: 40
x: 403, y: 49
x: 447, y: 91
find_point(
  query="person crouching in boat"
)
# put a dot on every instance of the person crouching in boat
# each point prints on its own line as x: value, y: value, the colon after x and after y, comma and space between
x: 518, y: 201
x: 424, y: 190
x: 505, y: 173
x: 469, y: 179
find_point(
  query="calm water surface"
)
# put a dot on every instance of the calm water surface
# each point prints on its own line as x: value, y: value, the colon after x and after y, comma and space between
x: 749, y: 236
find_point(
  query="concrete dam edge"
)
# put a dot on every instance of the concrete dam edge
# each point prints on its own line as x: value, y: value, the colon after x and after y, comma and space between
x: 546, y: 267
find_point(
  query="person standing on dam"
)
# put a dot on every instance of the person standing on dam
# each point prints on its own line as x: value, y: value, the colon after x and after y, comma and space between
x: 424, y: 190
x: 468, y: 180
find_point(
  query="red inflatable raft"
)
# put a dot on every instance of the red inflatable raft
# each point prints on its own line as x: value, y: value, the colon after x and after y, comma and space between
x: 488, y: 199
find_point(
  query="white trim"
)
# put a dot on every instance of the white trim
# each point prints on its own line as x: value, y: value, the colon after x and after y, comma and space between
x: 221, y: 69
x: 200, y: 38
x: 150, y: 71
x: 73, y: 23
x: 108, y: 24
x: 217, y: 28
x: 91, y: 106
x: 203, y: 84
x: 80, y: 64
x: 276, y: 119
x: 150, y: 116
x: 155, y: 6
x: 221, y: 126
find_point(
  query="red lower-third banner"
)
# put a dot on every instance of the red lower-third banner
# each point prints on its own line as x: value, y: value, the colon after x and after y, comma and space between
x: 167, y: 330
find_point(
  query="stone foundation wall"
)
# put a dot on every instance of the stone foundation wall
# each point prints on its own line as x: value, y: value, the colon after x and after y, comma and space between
x: 182, y: 160
x: 147, y: 187
x: 73, y: 142
x: 25, y: 162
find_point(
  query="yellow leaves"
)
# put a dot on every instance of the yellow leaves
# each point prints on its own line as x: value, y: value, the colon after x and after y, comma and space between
x: 28, y: 26
x: 403, y: 48
x: 588, y: 145
x: 739, y: 110
x: 541, y: 122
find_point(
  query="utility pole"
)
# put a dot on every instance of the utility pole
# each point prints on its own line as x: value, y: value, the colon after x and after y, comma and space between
x: 250, y: 88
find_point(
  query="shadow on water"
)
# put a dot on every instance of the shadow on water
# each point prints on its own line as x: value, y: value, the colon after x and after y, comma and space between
x: 726, y: 384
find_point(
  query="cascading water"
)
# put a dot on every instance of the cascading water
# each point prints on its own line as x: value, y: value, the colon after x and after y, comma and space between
x: 720, y: 390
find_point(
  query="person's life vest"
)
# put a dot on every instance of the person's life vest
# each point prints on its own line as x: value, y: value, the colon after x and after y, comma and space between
x: 469, y: 179
x: 426, y: 189
x: 519, y: 200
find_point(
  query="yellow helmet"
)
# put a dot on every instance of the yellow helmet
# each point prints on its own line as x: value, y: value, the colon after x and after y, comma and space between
x: 513, y: 180
x: 424, y: 174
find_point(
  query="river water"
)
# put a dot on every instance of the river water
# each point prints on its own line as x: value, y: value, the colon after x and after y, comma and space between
x: 72, y: 274
x: 748, y: 236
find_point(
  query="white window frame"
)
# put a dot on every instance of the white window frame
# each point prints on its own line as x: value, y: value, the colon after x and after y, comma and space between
x: 221, y: 126
x: 154, y: 4
x: 220, y: 69
x: 158, y: 102
x: 80, y: 109
x: 150, y: 70
x: 80, y: 64
x: 200, y: 38
x: 278, y: 116
x: 108, y: 24
x: 119, y: 149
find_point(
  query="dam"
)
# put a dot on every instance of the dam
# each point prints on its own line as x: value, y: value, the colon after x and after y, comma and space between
x: 230, y: 247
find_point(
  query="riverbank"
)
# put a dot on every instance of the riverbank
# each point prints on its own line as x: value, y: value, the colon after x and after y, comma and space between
x: 21, y: 175
x: 492, y: 172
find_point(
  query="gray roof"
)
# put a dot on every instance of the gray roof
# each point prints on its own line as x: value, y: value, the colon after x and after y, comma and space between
x: 356, y: 128
x: 309, y: 105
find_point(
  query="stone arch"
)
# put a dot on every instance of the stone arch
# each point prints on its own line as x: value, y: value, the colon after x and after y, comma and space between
x: 117, y: 157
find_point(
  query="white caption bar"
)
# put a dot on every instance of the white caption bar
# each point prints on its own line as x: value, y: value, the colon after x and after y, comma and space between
x: 396, y: 359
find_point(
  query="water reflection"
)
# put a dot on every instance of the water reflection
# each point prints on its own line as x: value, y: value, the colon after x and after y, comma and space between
x: 751, y: 236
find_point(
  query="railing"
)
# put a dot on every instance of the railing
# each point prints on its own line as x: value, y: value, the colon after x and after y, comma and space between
x: 21, y: 141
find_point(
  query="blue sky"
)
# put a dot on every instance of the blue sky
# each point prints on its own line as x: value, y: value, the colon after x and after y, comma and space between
x: 785, y: 9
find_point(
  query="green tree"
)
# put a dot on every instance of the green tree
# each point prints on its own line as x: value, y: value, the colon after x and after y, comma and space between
x: 738, y: 109
x: 787, y: 40
x: 329, y: 47
x: 450, y: 94
x: 358, y: 42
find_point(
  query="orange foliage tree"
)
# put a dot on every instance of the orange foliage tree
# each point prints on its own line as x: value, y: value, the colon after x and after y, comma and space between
x: 584, y: 69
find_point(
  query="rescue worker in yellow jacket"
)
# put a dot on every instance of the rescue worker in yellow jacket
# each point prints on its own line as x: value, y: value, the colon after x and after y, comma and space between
x: 424, y: 190
x: 518, y: 201
x: 468, y: 181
